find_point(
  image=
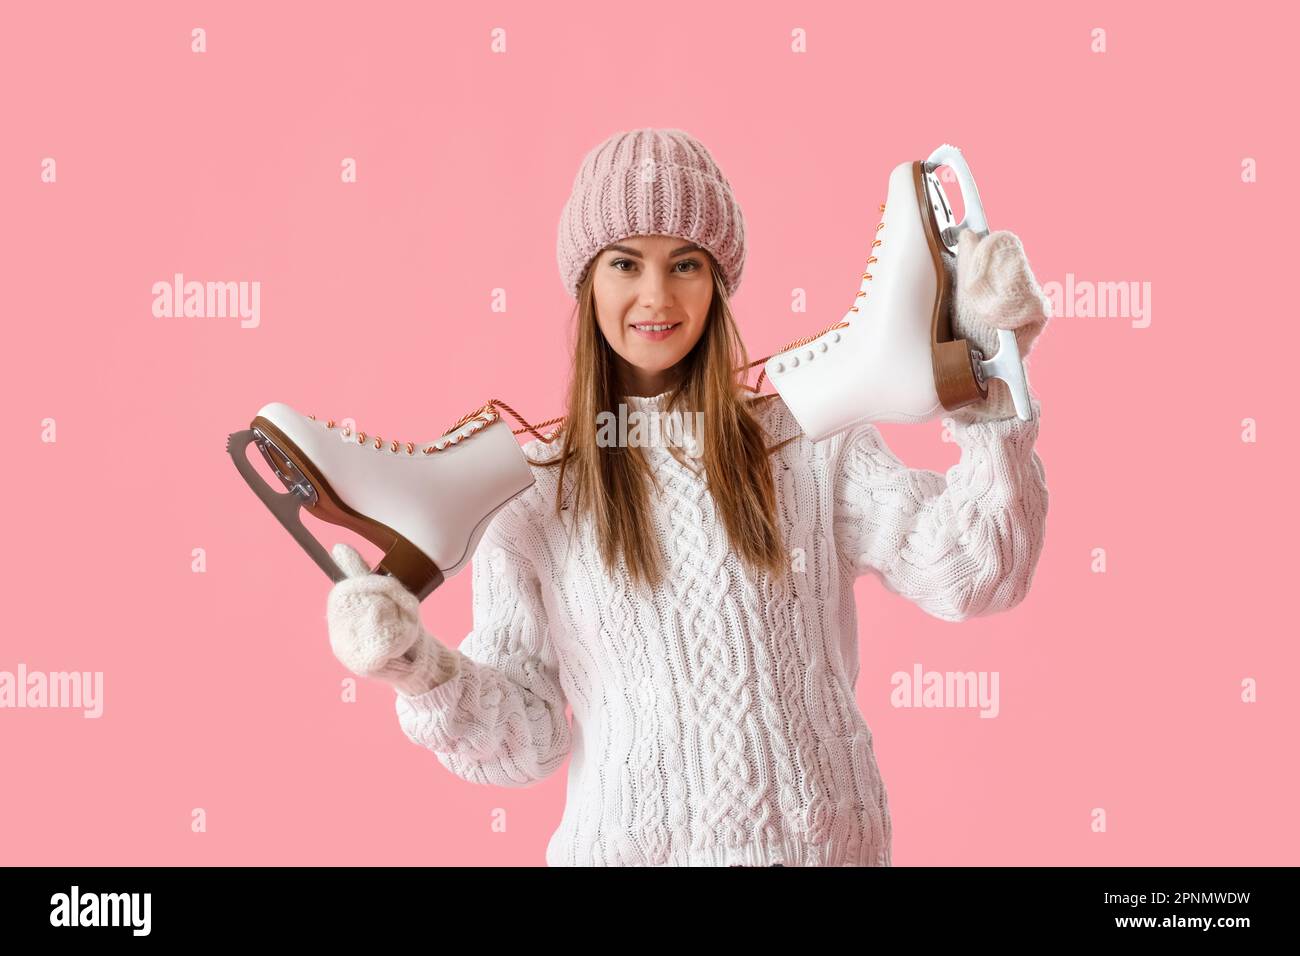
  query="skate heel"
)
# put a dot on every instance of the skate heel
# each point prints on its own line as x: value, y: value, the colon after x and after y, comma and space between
x: 411, y: 567
x: 954, y: 375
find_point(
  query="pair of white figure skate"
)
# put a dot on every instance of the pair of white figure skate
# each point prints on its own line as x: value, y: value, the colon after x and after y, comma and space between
x: 891, y: 359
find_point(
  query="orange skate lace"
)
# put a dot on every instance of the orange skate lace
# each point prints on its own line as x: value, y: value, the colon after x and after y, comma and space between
x: 483, y: 417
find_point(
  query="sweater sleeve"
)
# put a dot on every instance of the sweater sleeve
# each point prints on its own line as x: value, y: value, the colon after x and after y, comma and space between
x: 498, y: 716
x: 958, y: 546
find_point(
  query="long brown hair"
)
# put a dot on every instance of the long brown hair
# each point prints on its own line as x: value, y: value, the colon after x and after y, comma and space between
x: 610, y: 482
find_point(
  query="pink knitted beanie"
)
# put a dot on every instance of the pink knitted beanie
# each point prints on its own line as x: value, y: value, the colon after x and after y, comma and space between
x: 650, y: 182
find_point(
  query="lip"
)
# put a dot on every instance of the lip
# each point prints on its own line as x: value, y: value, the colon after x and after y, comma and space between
x: 656, y: 336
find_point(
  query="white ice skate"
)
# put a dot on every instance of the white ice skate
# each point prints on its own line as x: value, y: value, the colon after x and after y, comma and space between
x: 893, y: 357
x: 427, y: 504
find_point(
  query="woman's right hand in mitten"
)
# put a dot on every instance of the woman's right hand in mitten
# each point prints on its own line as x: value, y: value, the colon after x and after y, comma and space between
x: 374, y: 626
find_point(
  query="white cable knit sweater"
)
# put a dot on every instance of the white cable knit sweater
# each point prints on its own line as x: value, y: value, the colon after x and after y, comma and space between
x: 716, y: 723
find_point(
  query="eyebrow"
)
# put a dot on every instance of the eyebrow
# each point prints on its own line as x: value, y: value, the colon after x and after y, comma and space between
x: 676, y: 252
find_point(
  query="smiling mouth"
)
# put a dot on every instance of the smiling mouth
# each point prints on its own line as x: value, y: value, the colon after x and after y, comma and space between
x: 656, y: 332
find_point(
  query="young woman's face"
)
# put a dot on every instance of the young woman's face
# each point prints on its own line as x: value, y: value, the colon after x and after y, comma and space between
x: 652, y: 281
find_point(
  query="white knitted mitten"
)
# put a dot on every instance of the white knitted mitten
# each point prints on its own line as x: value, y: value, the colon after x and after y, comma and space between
x: 375, y: 630
x: 996, y: 289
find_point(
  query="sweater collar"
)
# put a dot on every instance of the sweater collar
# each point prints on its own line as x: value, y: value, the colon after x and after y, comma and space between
x: 646, y: 403
x: 771, y: 410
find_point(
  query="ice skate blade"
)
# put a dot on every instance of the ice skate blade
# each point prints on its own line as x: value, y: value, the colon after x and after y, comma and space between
x: 1007, y: 366
x: 956, y: 380
x: 405, y: 562
x: 958, y: 387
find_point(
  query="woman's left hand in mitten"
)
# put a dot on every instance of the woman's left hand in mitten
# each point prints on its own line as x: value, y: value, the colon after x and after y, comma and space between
x: 996, y: 289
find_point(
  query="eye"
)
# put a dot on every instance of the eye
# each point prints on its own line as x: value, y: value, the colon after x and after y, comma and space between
x: 694, y: 265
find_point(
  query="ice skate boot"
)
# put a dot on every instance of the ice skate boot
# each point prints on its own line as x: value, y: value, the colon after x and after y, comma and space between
x: 426, y: 505
x: 893, y: 357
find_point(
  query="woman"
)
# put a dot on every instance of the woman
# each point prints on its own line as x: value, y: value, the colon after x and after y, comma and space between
x: 696, y: 610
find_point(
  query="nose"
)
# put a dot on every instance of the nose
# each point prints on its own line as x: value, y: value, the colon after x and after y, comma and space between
x: 654, y: 292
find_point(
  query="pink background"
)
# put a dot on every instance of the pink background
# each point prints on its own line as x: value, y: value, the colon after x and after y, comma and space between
x: 1119, y: 690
